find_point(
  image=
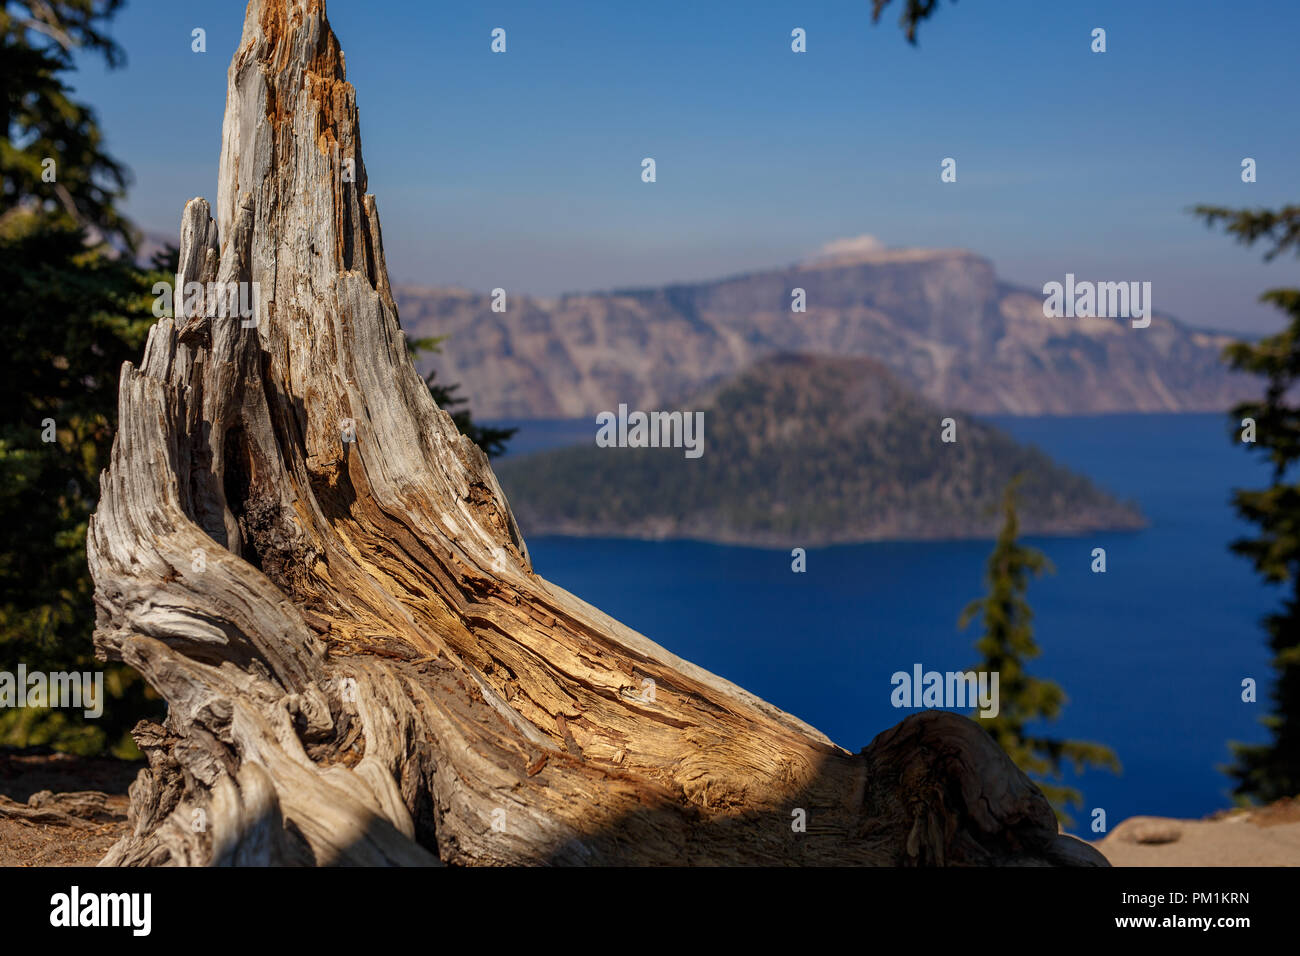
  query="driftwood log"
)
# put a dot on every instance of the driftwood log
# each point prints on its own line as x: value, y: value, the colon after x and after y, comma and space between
x: 325, y: 582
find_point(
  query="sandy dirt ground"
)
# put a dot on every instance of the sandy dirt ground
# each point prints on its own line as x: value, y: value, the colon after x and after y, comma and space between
x: 60, y: 810
x: 1269, y: 836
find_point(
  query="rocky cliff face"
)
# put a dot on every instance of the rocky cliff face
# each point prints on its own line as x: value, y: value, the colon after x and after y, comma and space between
x: 940, y: 319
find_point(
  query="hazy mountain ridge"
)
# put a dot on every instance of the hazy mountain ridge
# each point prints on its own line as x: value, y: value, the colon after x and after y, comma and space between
x: 807, y: 451
x: 941, y: 319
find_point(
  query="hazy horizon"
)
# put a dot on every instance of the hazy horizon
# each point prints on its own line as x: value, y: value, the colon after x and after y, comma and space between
x: 522, y: 170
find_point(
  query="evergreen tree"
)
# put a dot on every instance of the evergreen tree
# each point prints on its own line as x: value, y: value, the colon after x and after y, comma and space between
x: 491, y: 440
x: 52, y: 164
x: 74, y: 310
x: 73, y: 315
x: 1006, y: 645
x: 1270, y: 771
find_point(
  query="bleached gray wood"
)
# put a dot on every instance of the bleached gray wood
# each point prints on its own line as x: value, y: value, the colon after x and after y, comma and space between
x: 362, y: 666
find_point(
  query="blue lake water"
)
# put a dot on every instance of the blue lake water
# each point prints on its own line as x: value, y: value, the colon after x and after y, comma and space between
x: 1151, y: 654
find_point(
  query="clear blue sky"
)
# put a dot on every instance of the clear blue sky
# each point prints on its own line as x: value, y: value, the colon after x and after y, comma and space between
x: 522, y: 170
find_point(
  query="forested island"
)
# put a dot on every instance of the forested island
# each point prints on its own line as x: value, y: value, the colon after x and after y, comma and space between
x: 808, y: 450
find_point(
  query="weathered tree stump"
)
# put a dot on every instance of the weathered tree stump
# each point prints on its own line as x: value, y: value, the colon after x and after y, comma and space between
x: 297, y: 549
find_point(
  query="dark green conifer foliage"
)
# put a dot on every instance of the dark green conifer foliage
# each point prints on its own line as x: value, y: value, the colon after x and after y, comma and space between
x: 1005, y: 648
x: 74, y: 308
x: 491, y: 440
x: 1270, y: 771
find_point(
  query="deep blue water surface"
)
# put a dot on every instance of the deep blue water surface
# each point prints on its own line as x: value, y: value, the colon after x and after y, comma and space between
x: 1151, y: 654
